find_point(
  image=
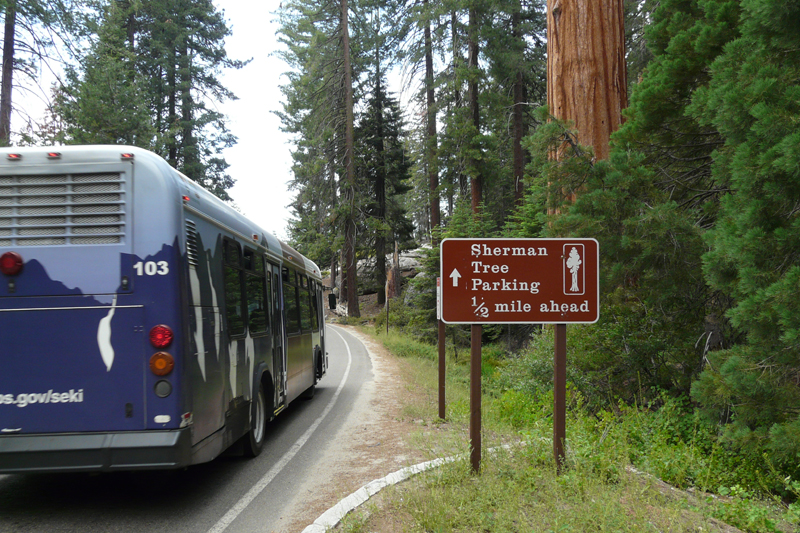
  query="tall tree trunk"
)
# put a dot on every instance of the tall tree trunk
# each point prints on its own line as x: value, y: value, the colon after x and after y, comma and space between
x: 380, y: 190
x: 431, y: 144
x: 350, y: 222
x: 130, y: 26
x: 188, y: 146
x: 457, y: 59
x: 477, y: 178
x: 172, y: 118
x: 518, y: 112
x: 586, y: 70
x: 8, y: 73
x: 331, y: 158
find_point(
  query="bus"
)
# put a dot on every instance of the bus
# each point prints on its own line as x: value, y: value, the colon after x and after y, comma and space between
x: 144, y: 323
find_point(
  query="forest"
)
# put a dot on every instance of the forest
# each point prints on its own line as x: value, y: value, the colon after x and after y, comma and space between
x: 415, y: 121
x: 695, y: 206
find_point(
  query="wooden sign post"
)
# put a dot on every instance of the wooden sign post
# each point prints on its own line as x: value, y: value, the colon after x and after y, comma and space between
x: 523, y: 281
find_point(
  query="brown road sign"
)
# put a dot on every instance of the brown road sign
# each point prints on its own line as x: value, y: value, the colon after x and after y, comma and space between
x: 502, y: 281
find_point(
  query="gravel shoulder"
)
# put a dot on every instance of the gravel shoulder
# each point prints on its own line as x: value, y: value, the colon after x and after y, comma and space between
x: 371, y: 444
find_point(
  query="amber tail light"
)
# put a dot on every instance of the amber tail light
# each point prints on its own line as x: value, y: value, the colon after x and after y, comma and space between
x: 161, y: 363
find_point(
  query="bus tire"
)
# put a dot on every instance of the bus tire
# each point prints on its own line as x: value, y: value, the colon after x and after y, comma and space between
x: 317, y: 364
x: 254, y: 440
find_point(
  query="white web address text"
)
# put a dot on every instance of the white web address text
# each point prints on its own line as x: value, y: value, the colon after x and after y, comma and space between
x: 22, y: 400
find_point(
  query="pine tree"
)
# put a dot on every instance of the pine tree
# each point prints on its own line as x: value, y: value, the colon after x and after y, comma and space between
x: 313, y: 111
x: 684, y: 38
x: 319, y: 110
x: 103, y: 103
x: 648, y: 206
x: 384, y: 170
x: 164, y: 58
x: 37, y: 35
x: 753, y: 100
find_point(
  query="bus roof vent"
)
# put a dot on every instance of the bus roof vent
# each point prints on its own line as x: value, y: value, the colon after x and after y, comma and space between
x: 191, y: 242
x: 61, y: 209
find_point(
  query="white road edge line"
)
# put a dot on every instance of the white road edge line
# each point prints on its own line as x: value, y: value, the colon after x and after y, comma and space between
x: 335, y: 514
x: 330, y: 518
x: 256, y: 489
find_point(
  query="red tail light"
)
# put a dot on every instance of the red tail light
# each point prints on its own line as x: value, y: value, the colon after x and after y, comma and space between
x: 161, y: 336
x: 10, y: 263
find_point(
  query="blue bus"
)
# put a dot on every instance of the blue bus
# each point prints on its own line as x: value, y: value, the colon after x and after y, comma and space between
x: 144, y: 323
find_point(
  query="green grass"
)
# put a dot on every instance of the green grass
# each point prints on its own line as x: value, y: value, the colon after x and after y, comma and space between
x: 519, y: 490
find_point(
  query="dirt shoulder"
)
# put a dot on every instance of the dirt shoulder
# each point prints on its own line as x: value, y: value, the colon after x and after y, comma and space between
x: 370, y: 445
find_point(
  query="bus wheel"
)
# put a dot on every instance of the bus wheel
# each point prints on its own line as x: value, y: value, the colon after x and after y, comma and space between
x: 254, y: 440
x: 318, y: 363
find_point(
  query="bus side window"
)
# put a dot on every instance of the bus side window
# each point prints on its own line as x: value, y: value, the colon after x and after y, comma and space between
x: 276, y: 308
x: 234, y: 305
x: 314, y: 307
x: 255, y: 295
x: 305, y: 307
x: 290, y: 301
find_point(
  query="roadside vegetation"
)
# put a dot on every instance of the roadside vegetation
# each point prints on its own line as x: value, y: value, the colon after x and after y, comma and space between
x: 653, y: 464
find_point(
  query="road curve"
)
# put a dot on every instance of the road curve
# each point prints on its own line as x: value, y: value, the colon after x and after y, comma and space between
x: 230, y: 494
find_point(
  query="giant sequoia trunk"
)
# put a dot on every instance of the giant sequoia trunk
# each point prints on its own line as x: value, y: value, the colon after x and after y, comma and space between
x: 586, y: 69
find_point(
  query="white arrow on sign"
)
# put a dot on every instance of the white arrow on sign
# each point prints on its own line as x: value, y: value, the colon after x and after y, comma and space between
x: 455, y: 275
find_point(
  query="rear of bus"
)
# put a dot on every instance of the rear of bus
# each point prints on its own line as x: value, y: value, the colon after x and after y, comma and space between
x: 90, y: 316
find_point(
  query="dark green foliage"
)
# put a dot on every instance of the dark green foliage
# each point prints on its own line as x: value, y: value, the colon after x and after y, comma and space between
x: 695, y: 210
x: 653, y: 296
x: 754, y: 101
x: 383, y: 173
x: 151, y: 79
x: 103, y: 103
x: 313, y: 111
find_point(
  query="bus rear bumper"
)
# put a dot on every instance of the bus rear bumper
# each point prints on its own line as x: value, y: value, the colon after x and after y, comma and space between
x: 96, y: 452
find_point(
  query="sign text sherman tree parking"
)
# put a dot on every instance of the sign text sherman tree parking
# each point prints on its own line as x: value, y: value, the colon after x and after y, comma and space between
x: 502, y: 281
x: 530, y: 281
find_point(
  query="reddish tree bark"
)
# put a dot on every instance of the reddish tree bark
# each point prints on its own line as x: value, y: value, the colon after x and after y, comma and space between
x: 586, y: 70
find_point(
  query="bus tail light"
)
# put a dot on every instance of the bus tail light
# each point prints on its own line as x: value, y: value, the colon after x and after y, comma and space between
x: 161, y: 336
x: 10, y: 263
x: 161, y: 363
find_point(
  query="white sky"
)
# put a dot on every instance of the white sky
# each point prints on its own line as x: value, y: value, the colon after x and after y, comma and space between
x: 261, y: 161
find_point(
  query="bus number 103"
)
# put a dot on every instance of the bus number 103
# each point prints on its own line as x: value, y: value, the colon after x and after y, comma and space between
x: 151, y: 268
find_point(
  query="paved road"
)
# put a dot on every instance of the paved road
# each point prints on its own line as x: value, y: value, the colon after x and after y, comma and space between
x: 230, y: 494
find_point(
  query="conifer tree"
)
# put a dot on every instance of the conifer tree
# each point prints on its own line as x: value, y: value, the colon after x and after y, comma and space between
x: 313, y: 111
x: 648, y: 206
x: 37, y: 36
x: 169, y: 67
x: 753, y: 100
x: 384, y: 170
x: 103, y: 103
